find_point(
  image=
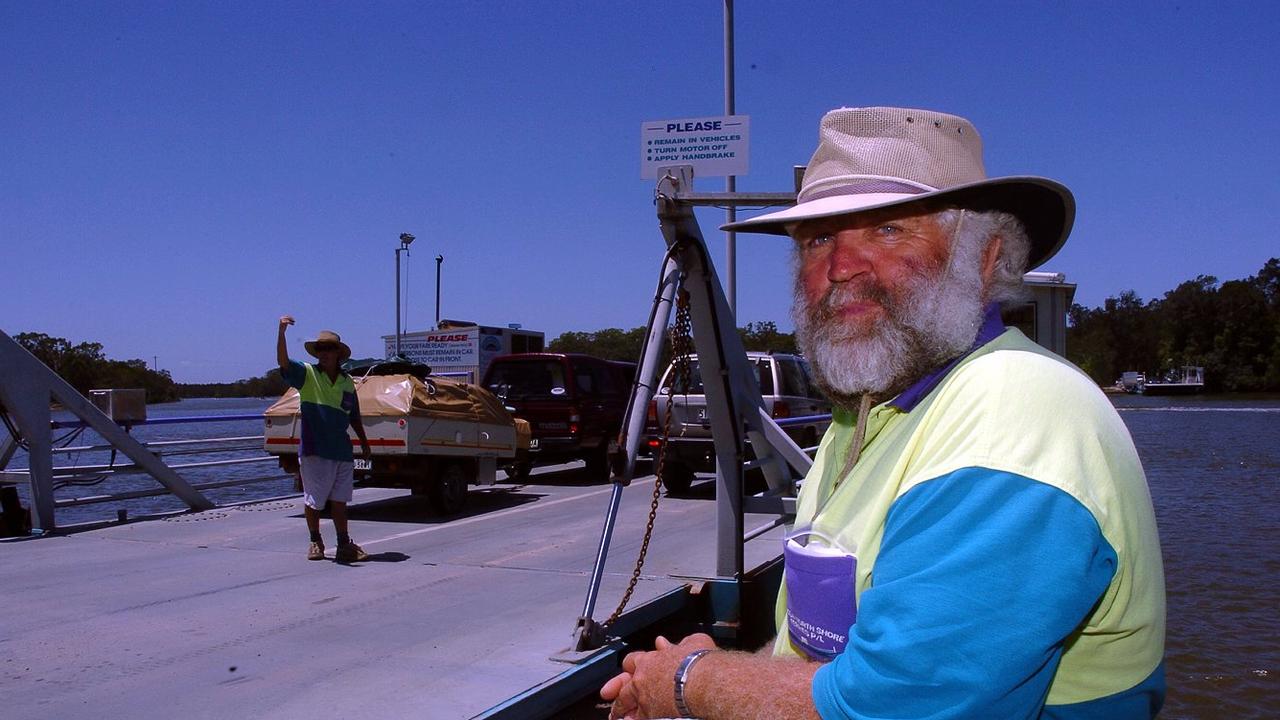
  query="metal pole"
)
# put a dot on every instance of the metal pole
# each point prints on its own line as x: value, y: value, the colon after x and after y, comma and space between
x: 729, y: 520
x: 731, y: 182
x: 397, y: 302
x: 633, y: 425
x: 405, y: 239
x: 439, y: 262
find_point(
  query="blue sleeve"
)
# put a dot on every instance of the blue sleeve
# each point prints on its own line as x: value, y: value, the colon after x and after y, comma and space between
x: 980, y: 579
x: 295, y: 374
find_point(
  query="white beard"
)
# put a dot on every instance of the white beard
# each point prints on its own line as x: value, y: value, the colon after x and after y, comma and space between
x: 934, y: 319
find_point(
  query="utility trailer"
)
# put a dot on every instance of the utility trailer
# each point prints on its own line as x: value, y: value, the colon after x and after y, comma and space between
x: 430, y: 435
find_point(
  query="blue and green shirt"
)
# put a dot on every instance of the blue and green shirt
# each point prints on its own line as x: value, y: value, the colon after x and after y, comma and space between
x: 327, y: 407
x: 1008, y: 560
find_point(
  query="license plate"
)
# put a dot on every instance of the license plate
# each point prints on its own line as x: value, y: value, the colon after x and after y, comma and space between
x: 361, y: 464
x: 533, y: 443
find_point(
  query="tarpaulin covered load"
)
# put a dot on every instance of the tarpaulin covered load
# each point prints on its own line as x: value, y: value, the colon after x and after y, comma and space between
x: 408, y: 396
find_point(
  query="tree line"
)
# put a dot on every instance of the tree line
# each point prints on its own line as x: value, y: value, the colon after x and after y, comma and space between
x: 269, y: 384
x: 1231, y: 329
x: 617, y: 344
x: 85, y: 367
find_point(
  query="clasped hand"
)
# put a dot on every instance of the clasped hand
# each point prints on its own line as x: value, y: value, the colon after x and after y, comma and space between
x: 646, y: 686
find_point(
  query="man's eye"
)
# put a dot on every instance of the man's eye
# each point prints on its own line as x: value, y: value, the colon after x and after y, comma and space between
x: 889, y: 229
x: 817, y: 241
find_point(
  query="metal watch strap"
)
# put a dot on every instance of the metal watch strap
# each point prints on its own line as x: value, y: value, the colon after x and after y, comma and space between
x: 682, y: 676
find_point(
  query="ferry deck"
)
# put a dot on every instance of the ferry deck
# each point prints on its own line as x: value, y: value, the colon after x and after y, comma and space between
x: 218, y: 614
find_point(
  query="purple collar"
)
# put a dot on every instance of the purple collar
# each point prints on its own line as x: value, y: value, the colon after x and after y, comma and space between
x: 992, y: 327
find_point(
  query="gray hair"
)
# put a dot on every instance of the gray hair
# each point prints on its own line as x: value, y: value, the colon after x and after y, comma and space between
x: 972, y: 236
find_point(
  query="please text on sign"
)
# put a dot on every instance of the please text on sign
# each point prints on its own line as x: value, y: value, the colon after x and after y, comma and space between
x: 712, y: 145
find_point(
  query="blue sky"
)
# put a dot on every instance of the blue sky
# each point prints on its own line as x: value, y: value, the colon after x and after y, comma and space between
x: 175, y: 176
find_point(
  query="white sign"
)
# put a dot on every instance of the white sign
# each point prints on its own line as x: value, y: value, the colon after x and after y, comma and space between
x: 712, y: 145
x: 440, y: 348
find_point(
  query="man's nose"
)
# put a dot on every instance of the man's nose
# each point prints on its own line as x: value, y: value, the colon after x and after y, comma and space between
x: 849, y: 258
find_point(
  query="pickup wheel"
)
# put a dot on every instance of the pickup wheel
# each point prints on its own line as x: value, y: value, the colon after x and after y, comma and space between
x: 518, y: 470
x: 676, y: 477
x: 598, y: 462
x: 519, y: 467
x: 448, y: 494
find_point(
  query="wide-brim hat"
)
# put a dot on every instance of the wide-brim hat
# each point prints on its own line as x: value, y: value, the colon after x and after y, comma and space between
x: 328, y: 337
x: 879, y: 157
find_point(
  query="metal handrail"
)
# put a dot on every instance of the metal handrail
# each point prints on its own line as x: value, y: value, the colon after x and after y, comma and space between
x: 164, y: 443
x: 60, y: 424
x: 801, y: 419
x: 135, y: 494
x: 161, y: 449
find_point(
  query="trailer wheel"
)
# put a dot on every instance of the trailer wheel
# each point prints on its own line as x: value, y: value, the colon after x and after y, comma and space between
x: 448, y: 494
x: 676, y: 477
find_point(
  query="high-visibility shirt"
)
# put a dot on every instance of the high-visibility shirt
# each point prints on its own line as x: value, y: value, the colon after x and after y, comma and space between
x: 1008, y: 563
x: 328, y: 408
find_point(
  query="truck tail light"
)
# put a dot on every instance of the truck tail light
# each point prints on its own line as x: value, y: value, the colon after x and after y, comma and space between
x: 781, y: 410
x: 652, y: 417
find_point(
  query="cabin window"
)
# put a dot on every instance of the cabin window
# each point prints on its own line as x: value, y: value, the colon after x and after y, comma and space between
x: 1022, y: 317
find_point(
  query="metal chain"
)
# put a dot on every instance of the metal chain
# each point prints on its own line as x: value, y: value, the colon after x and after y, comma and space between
x: 681, y: 348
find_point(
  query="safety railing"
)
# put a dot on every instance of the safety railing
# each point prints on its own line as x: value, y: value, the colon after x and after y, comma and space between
x: 203, y: 453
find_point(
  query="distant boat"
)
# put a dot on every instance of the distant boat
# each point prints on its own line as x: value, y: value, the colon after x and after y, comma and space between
x: 1130, y: 381
x: 1187, y: 381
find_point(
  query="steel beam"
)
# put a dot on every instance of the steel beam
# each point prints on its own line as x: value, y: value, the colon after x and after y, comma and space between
x: 26, y: 388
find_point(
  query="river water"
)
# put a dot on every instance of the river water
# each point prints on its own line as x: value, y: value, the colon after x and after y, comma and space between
x: 1213, y: 464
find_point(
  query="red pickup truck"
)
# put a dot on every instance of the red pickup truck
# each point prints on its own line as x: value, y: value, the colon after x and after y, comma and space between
x: 573, y: 403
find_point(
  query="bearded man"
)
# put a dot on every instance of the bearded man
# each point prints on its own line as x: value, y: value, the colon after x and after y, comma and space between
x: 976, y: 537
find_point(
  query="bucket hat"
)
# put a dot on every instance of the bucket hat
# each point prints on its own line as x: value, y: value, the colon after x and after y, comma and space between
x: 878, y: 157
x: 328, y: 337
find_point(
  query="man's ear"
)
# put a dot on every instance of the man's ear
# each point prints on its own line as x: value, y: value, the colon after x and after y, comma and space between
x: 990, y: 257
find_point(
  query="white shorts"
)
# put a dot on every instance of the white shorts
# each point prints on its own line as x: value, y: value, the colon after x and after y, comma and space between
x: 324, y: 479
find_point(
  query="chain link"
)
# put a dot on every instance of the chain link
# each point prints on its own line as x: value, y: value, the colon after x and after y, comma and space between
x: 681, y: 349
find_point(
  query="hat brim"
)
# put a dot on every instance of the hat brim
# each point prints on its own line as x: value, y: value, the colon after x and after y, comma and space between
x: 1046, y: 208
x: 343, y: 350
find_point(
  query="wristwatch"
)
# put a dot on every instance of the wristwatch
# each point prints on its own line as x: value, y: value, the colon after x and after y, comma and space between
x: 682, y: 677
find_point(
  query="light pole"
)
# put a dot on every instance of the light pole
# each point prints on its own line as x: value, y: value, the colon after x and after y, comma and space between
x: 405, y: 239
x: 730, y: 182
x: 439, y: 262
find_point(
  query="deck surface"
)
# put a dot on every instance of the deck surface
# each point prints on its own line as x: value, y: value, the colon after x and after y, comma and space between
x: 218, y: 614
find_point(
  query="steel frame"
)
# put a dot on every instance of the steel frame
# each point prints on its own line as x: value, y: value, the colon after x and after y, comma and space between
x: 734, y: 403
x: 27, y: 388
